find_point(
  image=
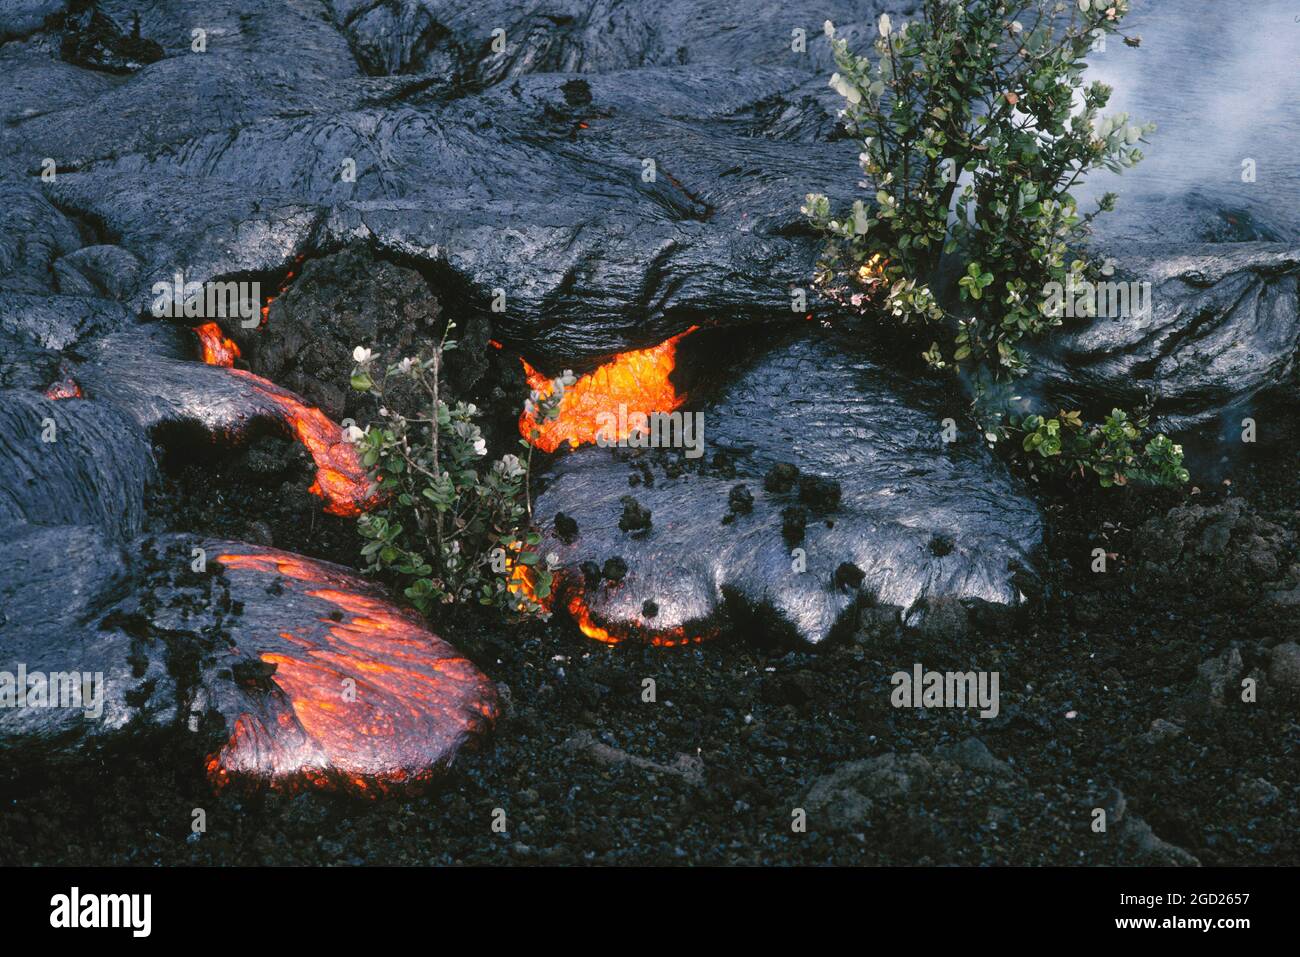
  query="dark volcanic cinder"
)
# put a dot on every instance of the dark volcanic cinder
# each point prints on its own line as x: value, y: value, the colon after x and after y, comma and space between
x: 608, y: 177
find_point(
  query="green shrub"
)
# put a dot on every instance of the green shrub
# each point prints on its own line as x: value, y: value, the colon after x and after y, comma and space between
x: 451, y: 526
x: 993, y: 90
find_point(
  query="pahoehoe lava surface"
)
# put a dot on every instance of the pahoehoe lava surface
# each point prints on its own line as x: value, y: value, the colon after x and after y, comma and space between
x: 918, y: 518
x: 525, y: 172
x: 266, y: 669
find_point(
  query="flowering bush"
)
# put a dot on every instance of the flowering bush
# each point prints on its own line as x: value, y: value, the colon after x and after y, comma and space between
x: 975, y: 125
x: 452, y: 526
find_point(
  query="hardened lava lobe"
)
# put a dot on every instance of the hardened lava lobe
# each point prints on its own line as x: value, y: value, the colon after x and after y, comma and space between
x: 912, y: 519
x: 254, y: 666
x: 354, y: 691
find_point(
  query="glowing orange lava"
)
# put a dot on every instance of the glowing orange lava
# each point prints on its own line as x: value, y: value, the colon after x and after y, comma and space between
x: 521, y: 580
x: 873, y: 270
x: 65, y: 388
x: 288, y: 278
x: 663, y: 638
x: 639, y: 381
x: 340, y: 477
x: 217, y: 349
x: 369, y: 699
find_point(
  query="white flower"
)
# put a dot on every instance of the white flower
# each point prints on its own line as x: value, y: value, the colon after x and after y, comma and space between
x: 361, y: 354
x: 828, y: 28
x: 353, y: 434
x: 884, y: 25
x: 480, y: 447
x: 405, y: 365
x: 1016, y: 27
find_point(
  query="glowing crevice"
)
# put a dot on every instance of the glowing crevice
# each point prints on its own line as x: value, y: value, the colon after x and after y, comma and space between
x: 639, y: 381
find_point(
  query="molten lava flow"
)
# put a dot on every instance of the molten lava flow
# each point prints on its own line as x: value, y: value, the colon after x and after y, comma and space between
x: 872, y: 271
x: 288, y: 278
x: 638, y: 381
x: 521, y: 580
x: 367, y: 698
x: 65, y: 388
x: 340, y: 477
x: 663, y: 638
x: 217, y: 349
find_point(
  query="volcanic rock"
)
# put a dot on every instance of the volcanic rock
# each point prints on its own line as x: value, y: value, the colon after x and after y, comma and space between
x: 565, y: 527
x: 741, y: 500
x: 1218, y: 343
x: 499, y: 176
x: 1284, y: 670
x: 320, y: 682
x: 899, y: 791
x: 878, y: 435
x: 105, y: 270
x: 71, y: 462
x: 1220, y: 248
x: 1225, y: 543
x: 794, y: 521
x: 781, y: 477
x: 93, y: 39
x: 635, y: 517
x: 335, y: 304
x: 21, y: 17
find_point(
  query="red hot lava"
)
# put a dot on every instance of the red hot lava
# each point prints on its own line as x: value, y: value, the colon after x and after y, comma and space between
x: 365, y: 698
x: 217, y: 349
x: 288, y: 278
x: 664, y: 637
x: 640, y: 381
x: 65, y: 388
x: 340, y: 477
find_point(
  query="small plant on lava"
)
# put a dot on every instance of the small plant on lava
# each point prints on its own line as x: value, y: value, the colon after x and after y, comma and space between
x: 452, y: 526
x: 975, y: 124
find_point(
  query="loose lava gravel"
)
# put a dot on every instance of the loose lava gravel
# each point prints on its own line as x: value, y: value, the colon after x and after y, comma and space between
x: 1119, y: 691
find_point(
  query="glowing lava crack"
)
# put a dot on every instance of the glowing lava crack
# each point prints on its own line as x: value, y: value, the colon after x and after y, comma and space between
x: 640, y: 381
x: 340, y: 477
x: 629, y: 387
x: 360, y: 695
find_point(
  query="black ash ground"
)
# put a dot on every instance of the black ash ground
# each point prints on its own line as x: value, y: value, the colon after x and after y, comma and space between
x: 1106, y: 703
